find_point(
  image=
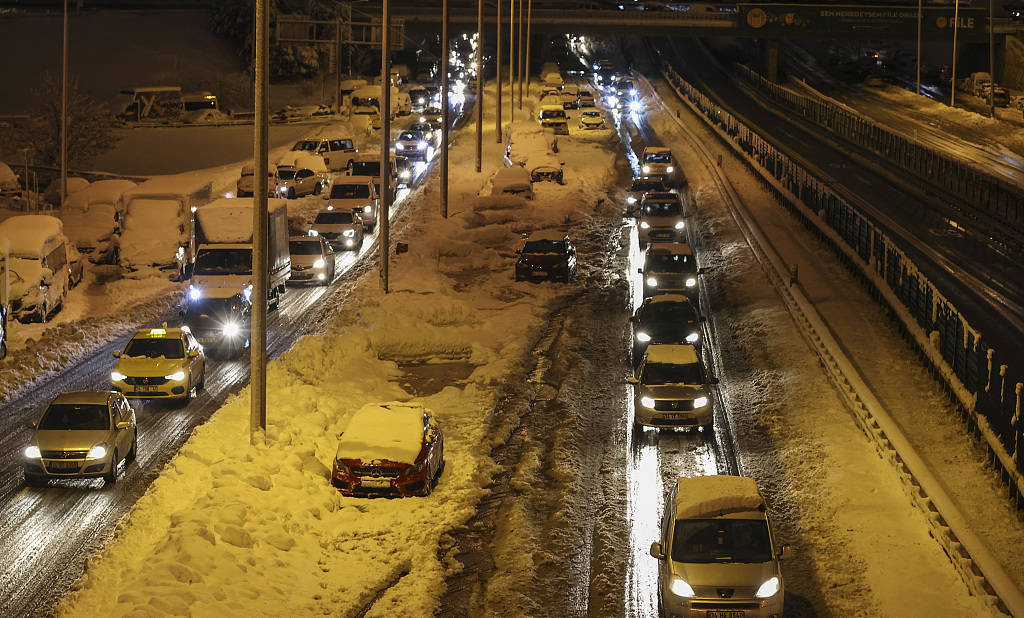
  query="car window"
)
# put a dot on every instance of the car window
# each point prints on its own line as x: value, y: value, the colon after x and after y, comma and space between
x: 155, y: 348
x: 721, y: 540
x: 75, y: 416
x: 545, y: 246
x: 669, y: 312
x: 305, y: 247
x: 341, y: 144
x: 306, y: 145
x: 334, y: 217
x: 662, y: 209
x: 350, y: 191
x: 658, y: 157
x: 646, y: 184
x: 671, y: 263
x: 672, y: 373
x: 410, y: 136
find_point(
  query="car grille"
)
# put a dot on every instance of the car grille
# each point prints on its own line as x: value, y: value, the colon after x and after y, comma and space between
x: 147, y: 381
x: 300, y: 266
x: 673, y: 404
x: 376, y: 471
x: 666, y: 233
x: 63, y: 467
x: 706, y: 605
x: 63, y: 454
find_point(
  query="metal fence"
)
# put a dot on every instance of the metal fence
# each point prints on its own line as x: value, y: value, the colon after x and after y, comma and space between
x: 991, y: 201
x: 972, y: 369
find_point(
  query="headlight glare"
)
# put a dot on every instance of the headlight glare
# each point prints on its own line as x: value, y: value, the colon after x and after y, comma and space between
x: 176, y: 376
x: 691, y: 282
x: 369, y: 208
x: 631, y: 200
x: 646, y: 169
x: 651, y: 281
x: 647, y: 402
x: 194, y: 293
x: 669, y: 169
x: 692, y: 338
x: 349, y: 233
x: 680, y: 225
x: 230, y: 330
x: 643, y: 337
x: 645, y: 225
x: 100, y: 451
x: 314, y: 233
x: 768, y: 589
x: 32, y: 452
x: 117, y: 376
x: 319, y: 263
x: 700, y: 402
x: 680, y: 588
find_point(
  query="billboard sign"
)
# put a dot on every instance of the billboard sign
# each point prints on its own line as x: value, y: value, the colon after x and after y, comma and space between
x: 778, y: 21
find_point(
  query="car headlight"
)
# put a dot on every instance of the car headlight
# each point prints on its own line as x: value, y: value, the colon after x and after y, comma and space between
x: 613, y: 101
x: 768, y: 589
x: 32, y: 452
x: 645, y: 225
x: 348, y: 243
x: 319, y: 263
x: 669, y: 169
x: 423, y: 119
x: 691, y: 282
x: 230, y: 330
x: 176, y: 376
x: 313, y: 233
x: 99, y: 451
x: 646, y: 169
x: 700, y: 402
x: 420, y: 101
x: 284, y: 189
x: 404, y: 176
x: 647, y: 402
x: 349, y: 233
x: 634, y: 106
x: 631, y: 200
x: 117, y: 376
x: 330, y: 207
x: 421, y: 145
x: 194, y: 293
x: 680, y: 588
x: 369, y: 208
x: 632, y: 92
x: 692, y: 337
x: 680, y: 225
x: 643, y: 337
x: 651, y: 281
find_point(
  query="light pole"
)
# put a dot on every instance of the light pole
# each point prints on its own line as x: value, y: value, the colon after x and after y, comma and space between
x: 444, y: 108
x: 511, y: 61
x: 520, y: 75
x: 956, y: 26
x: 480, y: 80
x: 385, y: 143
x: 529, y: 10
x: 64, y: 112
x: 261, y: 129
x: 991, y: 63
x: 919, y: 18
x: 497, y: 80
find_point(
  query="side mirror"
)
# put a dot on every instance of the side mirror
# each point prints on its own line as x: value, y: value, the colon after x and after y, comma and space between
x: 117, y: 353
x: 46, y: 276
x: 123, y: 425
x: 193, y: 353
x: 657, y: 551
x: 632, y: 380
x: 785, y: 553
x: 713, y: 380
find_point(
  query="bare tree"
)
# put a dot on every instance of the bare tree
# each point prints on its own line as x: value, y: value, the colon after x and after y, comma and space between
x: 90, y: 126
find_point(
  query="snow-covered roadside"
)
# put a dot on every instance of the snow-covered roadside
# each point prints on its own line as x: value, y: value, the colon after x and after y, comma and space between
x: 233, y: 529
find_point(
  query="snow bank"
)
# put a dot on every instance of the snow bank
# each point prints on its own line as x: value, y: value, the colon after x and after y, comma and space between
x: 155, y: 237
x: 709, y: 496
x: 29, y: 234
x: 392, y: 432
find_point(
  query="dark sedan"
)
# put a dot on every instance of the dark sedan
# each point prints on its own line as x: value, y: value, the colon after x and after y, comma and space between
x: 666, y: 318
x: 546, y: 255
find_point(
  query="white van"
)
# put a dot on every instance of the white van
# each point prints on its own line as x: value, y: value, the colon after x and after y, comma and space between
x: 44, y: 265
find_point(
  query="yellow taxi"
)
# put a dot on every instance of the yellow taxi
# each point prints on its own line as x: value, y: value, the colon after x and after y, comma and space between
x: 160, y: 363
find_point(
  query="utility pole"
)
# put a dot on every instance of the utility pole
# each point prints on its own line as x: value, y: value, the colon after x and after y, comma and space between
x: 63, y: 112
x: 511, y: 61
x: 337, y: 63
x: 497, y: 79
x: 529, y: 11
x: 479, y: 80
x: 956, y: 26
x: 520, y: 77
x: 920, y: 10
x: 444, y: 108
x: 261, y: 145
x: 385, y: 145
x: 991, y: 63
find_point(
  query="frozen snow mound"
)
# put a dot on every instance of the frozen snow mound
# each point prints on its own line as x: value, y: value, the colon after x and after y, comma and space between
x: 499, y: 202
x: 710, y: 496
x: 388, y: 431
x: 29, y: 234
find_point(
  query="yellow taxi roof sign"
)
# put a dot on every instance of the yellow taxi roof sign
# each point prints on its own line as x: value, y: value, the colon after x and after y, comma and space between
x: 157, y: 332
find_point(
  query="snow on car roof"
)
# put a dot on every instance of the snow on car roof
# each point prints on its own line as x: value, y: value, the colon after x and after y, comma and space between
x: 660, y: 196
x: 711, y: 496
x: 158, y: 333
x: 674, y: 248
x: 657, y: 150
x: 670, y: 298
x: 392, y: 431
x: 553, y: 235
x: 29, y: 234
x: 176, y: 184
x: 6, y: 175
x: 300, y: 158
x: 97, y: 397
x: 671, y: 354
x: 229, y: 219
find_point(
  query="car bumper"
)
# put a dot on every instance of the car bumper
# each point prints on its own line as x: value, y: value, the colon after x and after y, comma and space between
x: 66, y: 468
x: 169, y: 390
x: 662, y: 234
x: 703, y: 608
x: 673, y: 418
x: 309, y: 275
x: 374, y: 487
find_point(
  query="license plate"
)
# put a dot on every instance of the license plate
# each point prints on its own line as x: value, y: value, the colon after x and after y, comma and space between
x: 148, y: 389
x: 206, y: 339
x: 375, y: 482
x: 541, y: 273
x: 725, y: 613
x: 63, y: 465
x: 674, y: 417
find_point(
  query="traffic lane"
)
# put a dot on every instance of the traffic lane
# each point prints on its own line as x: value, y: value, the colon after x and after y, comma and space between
x: 911, y: 215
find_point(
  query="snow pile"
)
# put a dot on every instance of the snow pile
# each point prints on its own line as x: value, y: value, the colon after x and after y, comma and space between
x: 710, y: 496
x: 152, y: 237
x: 29, y: 234
x: 392, y: 432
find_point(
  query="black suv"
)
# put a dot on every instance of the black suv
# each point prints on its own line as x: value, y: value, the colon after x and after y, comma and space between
x: 546, y: 255
x: 666, y: 318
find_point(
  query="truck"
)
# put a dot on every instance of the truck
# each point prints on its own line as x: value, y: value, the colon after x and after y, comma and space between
x: 157, y: 229
x: 223, y: 266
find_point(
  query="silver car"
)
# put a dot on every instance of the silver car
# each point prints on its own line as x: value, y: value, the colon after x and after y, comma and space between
x: 82, y: 434
x: 673, y: 389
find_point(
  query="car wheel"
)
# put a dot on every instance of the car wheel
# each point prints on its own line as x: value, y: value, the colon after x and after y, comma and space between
x: 317, y: 189
x: 291, y: 193
x: 202, y: 380
x: 3, y: 350
x: 111, y: 477
x: 34, y: 481
x: 135, y: 448
x: 187, y: 397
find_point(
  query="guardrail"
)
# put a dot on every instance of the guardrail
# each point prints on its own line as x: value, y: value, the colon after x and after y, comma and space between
x: 998, y: 204
x: 986, y: 389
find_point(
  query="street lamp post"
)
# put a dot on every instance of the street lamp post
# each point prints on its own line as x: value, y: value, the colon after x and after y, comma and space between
x: 385, y: 146
x: 479, y: 80
x: 261, y: 126
x: 64, y: 112
x: 529, y: 10
x: 991, y: 63
x: 920, y: 10
x: 497, y: 80
x: 956, y: 26
x: 444, y: 108
x: 511, y: 61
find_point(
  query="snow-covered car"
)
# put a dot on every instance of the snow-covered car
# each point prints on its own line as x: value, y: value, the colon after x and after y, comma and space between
x: 661, y: 217
x: 553, y: 117
x: 301, y: 112
x: 312, y: 260
x: 546, y: 255
x: 670, y: 267
x: 220, y: 320
x: 587, y: 99
x: 246, y: 183
x: 625, y: 91
x: 301, y: 174
x: 666, y: 318
x: 414, y: 145
x: 512, y: 181
x: 160, y: 363
x: 570, y: 97
x: 342, y: 228
x: 545, y: 167
x: 657, y: 162
x: 671, y: 388
x: 355, y: 193
x: 335, y: 151
x: 420, y: 98
x: 717, y: 554
x: 638, y: 188
x: 9, y: 184
x: 391, y: 449
x: 591, y: 119
x: 43, y: 265
x: 368, y: 164
x: 432, y: 116
x: 81, y: 435
x: 92, y: 218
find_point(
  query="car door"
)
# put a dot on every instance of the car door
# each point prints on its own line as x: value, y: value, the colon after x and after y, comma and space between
x: 123, y: 415
x: 197, y: 363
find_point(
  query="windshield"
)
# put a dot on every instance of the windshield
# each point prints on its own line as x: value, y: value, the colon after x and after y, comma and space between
x: 155, y: 348
x: 335, y: 217
x: 552, y: 113
x: 286, y: 174
x: 672, y: 373
x: 658, y: 157
x: 592, y: 114
x: 366, y: 168
x: 409, y: 136
x: 721, y: 540
x: 307, y: 145
x: 191, y: 106
x: 82, y: 416
x: 671, y: 263
x: 422, y: 127
x: 670, y: 312
x: 305, y: 247
x: 544, y: 246
x: 625, y: 85
x: 224, y: 261
x: 365, y: 101
x: 662, y: 209
x: 347, y: 192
